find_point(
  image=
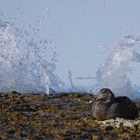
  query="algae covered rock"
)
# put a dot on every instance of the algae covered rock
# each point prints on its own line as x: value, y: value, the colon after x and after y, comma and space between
x: 60, y: 116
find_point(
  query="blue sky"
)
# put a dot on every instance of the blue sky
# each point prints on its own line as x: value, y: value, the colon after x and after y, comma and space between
x: 82, y: 29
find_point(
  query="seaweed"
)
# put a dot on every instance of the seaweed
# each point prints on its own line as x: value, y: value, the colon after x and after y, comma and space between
x: 60, y: 116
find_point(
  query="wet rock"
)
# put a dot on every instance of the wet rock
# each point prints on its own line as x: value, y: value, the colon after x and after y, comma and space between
x: 21, y: 108
x: 107, y: 106
x: 120, y: 122
x: 108, y: 128
x: 60, y: 116
x: 96, y: 137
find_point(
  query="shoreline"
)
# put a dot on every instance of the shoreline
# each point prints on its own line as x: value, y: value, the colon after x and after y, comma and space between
x: 60, y: 116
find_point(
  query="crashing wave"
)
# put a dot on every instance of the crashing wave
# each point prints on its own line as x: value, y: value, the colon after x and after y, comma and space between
x: 113, y: 73
x: 24, y: 65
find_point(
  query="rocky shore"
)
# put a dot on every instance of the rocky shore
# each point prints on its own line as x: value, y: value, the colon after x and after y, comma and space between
x: 62, y: 116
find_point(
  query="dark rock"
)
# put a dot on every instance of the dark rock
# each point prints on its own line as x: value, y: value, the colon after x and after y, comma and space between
x: 108, y: 128
x: 107, y: 106
x: 15, y: 92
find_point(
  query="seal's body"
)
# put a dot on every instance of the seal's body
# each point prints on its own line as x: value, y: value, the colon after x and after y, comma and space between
x: 107, y: 106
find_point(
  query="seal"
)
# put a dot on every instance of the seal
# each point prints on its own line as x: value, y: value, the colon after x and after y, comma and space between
x: 107, y: 106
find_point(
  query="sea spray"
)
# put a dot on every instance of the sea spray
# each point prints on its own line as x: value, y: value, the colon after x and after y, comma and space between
x: 113, y: 73
x: 26, y: 63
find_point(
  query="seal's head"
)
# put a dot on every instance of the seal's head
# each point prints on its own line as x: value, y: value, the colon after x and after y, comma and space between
x: 105, y: 94
x: 107, y: 106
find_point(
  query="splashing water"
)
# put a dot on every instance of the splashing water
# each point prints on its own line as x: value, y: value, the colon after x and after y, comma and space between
x: 25, y: 66
x: 113, y: 73
x: 28, y: 66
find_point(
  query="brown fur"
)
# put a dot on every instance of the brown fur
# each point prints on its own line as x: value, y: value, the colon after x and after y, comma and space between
x: 107, y: 106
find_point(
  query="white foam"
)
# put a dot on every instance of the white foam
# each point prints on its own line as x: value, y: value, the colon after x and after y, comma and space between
x: 23, y: 63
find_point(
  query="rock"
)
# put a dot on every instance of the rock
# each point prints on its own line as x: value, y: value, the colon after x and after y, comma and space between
x: 108, y: 128
x: 120, y: 122
x: 96, y: 137
x: 107, y: 106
